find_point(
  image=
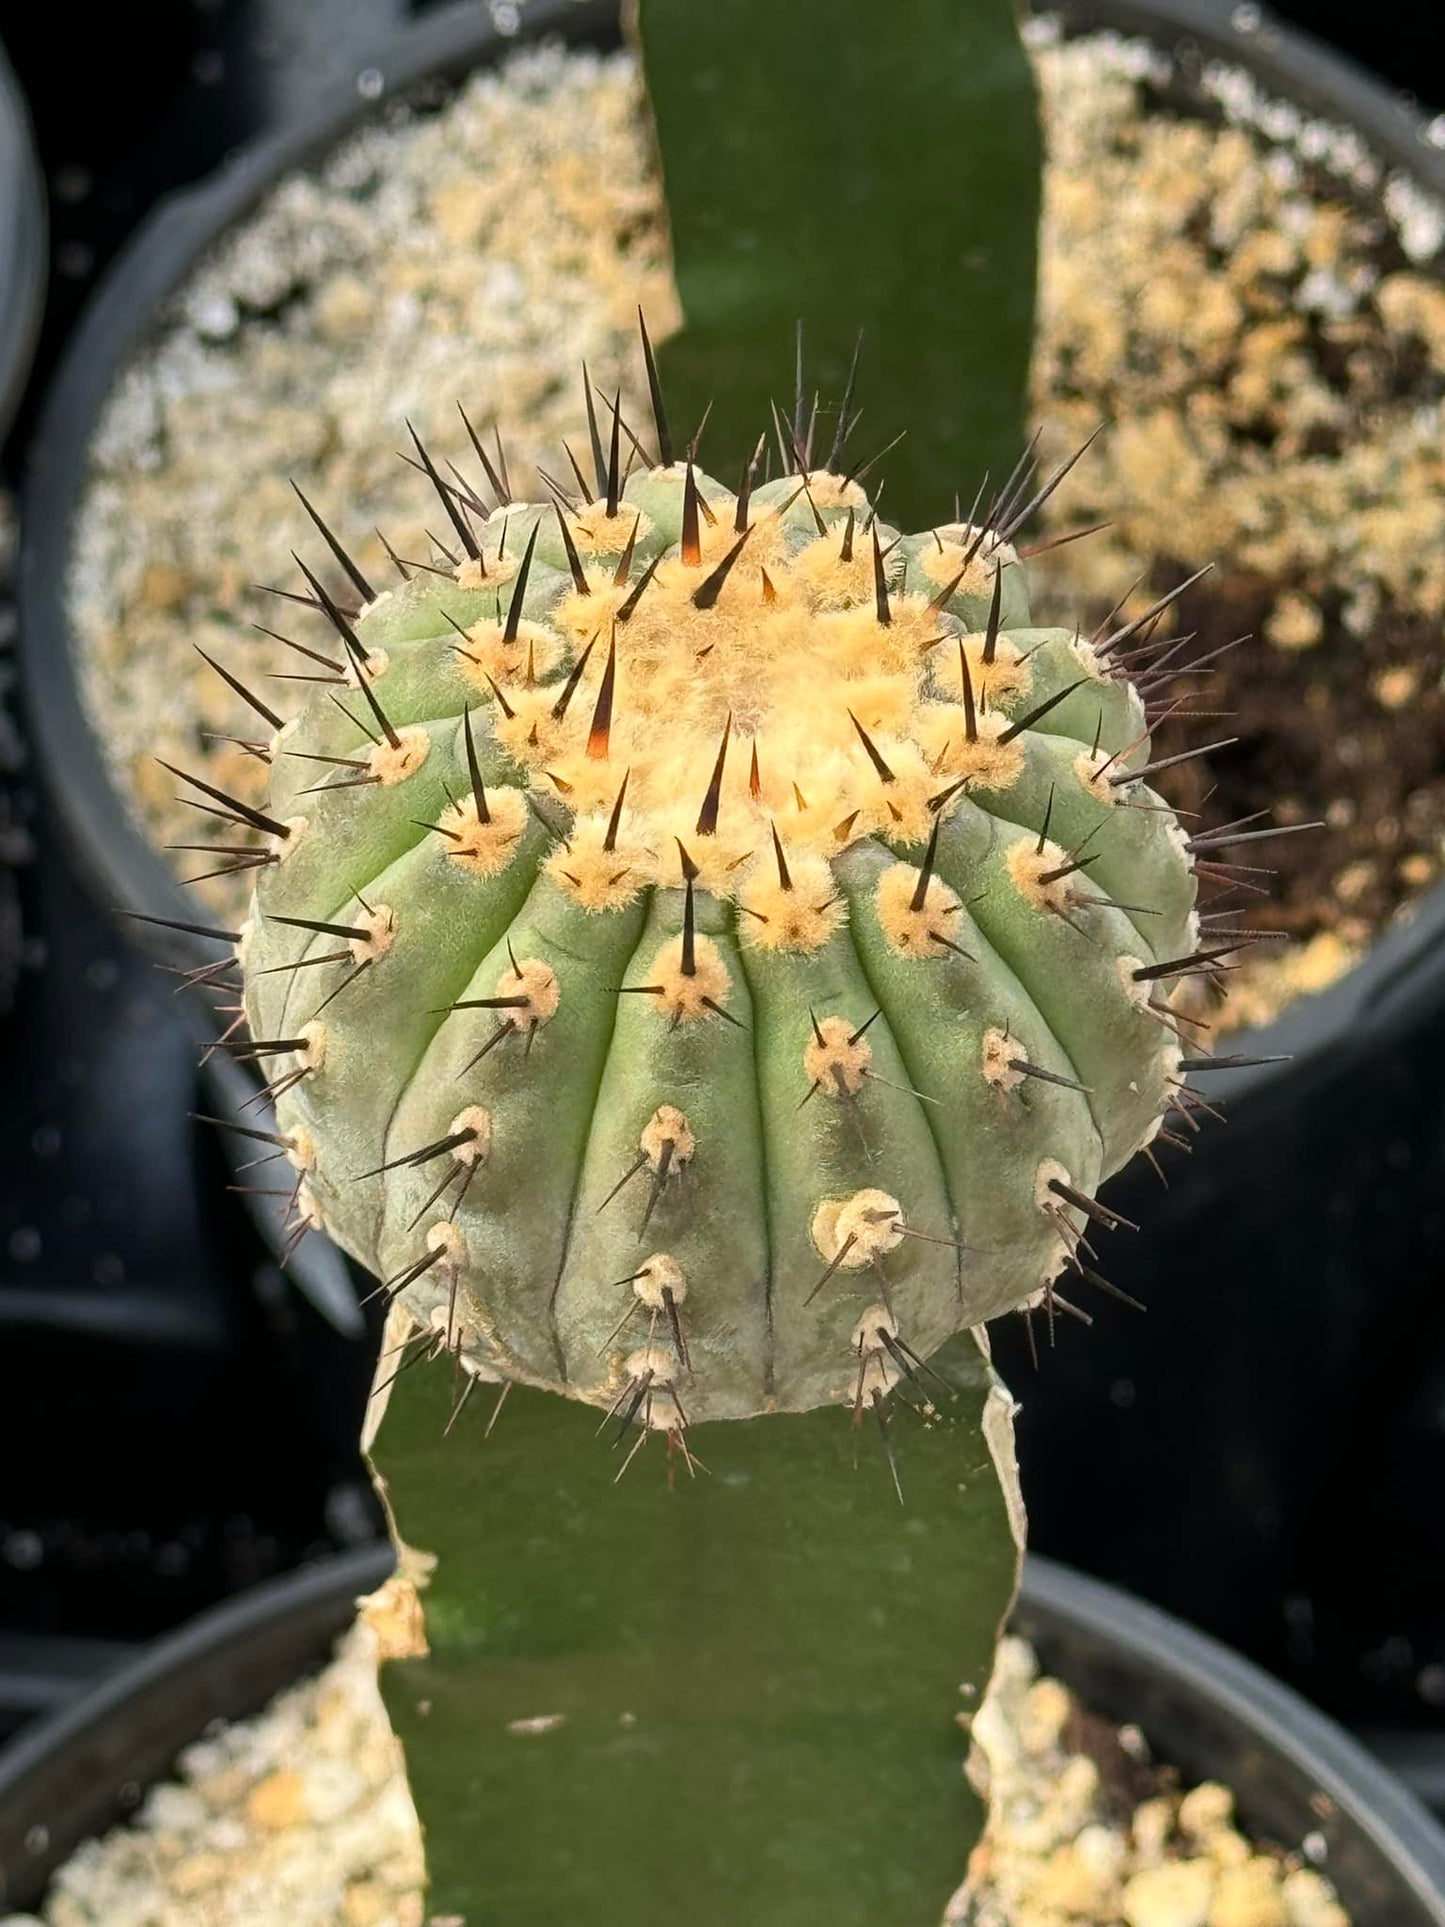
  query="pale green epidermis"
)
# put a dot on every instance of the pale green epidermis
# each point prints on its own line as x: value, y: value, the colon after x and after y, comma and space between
x: 537, y: 1285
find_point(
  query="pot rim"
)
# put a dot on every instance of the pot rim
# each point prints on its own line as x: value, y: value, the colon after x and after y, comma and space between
x: 1367, y: 1006
x: 271, y: 1635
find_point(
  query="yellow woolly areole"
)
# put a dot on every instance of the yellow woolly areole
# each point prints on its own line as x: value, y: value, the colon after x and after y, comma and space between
x: 312, y: 1055
x: 477, y: 1148
x: 1000, y: 1059
x: 534, y: 984
x: 589, y: 618
x: 982, y: 761
x: 1089, y: 660
x: 602, y: 867
x: 595, y: 532
x: 917, y: 924
x: 798, y: 909
x: 994, y: 684
x: 491, y: 571
x: 786, y: 674
x: 836, y: 1057
x: 1093, y: 768
x: 379, y: 923
x: 490, y: 655
x: 377, y: 664
x: 829, y: 491
x: 533, y: 732
x: 657, y: 1278
x: 652, y: 1370
x: 685, y: 995
x: 445, y: 1239
x: 667, y: 1133
x: 834, y: 579
x: 308, y: 1208
x: 392, y: 763
x: 487, y: 847
x: 1035, y: 874
x: 853, y: 1232
x: 959, y: 546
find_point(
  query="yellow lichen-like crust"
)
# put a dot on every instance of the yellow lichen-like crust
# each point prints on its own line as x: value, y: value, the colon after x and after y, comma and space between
x: 685, y: 996
x: 854, y: 1231
x: 836, y: 1057
x: 917, y: 932
x: 392, y: 763
x: 800, y: 915
x: 667, y: 1127
x: 484, y: 848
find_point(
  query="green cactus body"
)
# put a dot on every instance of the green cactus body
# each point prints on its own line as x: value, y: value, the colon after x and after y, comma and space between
x: 714, y: 946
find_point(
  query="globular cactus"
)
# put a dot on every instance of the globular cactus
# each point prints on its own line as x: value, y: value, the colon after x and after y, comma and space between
x: 709, y: 947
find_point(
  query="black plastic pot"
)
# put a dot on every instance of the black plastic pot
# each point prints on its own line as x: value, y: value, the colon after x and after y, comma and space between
x: 22, y: 244
x: 1267, y: 1262
x: 1261, y: 1450
x: 1204, y: 1710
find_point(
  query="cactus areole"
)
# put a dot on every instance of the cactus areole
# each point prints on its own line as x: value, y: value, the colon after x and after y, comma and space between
x: 708, y: 945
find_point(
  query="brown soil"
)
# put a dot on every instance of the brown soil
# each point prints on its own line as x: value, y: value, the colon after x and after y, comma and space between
x: 1355, y: 739
x: 1257, y: 313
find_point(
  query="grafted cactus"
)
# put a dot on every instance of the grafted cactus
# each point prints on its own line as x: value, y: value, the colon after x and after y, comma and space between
x: 708, y: 949
x: 710, y: 946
